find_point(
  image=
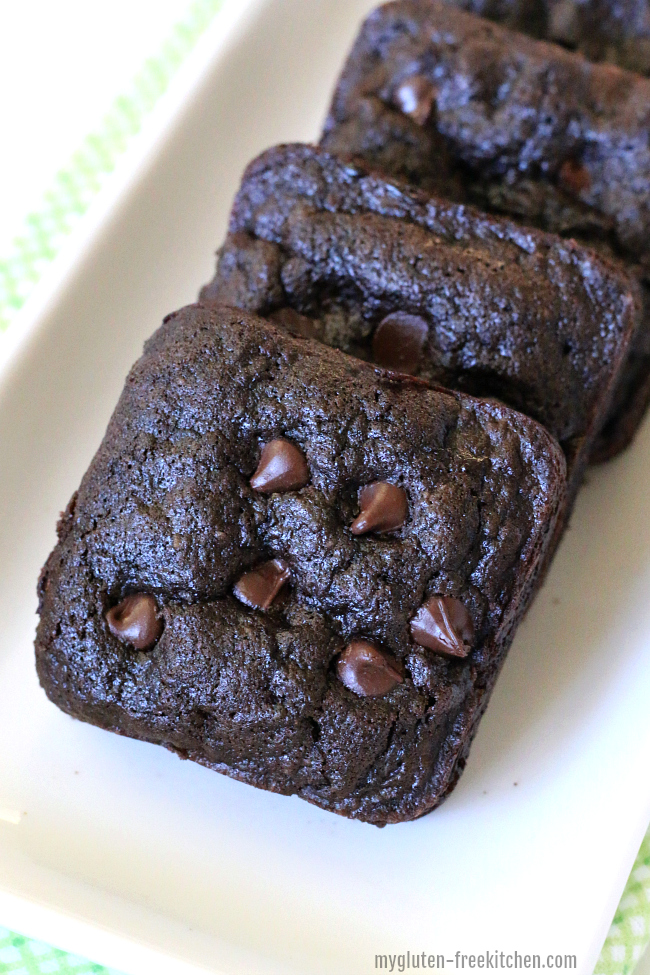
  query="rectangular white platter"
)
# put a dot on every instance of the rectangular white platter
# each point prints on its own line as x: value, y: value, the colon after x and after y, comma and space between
x: 120, y: 851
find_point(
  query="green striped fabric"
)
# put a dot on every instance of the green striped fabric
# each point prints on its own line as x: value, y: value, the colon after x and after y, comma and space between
x: 20, y: 956
x: 44, y: 232
x: 76, y: 186
x: 630, y: 931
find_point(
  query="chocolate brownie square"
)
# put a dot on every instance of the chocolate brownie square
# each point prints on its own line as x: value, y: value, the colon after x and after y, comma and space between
x: 423, y: 286
x: 617, y: 31
x: 459, y: 105
x: 296, y: 568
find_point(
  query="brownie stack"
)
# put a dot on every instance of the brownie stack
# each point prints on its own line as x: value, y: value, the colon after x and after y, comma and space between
x: 331, y: 488
x: 461, y: 106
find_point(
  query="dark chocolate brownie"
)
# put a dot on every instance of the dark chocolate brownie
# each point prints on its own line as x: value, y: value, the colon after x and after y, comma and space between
x: 617, y: 31
x: 296, y: 568
x: 438, y: 289
x: 459, y: 105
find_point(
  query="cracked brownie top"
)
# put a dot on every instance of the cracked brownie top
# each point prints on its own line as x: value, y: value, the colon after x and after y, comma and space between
x: 453, y: 101
x: 617, y: 31
x: 422, y: 285
x: 294, y: 567
x: 466, y: 108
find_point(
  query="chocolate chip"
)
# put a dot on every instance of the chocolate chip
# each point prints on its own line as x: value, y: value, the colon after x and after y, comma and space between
x: 574, y: 176
x: 282, y: 467
x: 367, y: 671
x: 259, y: 588
x: 416, y: 97
x: 398, y: 341
x: 443, y: 624
x: 384, y: 508
x: 135, y: 620
x: 295, y: 323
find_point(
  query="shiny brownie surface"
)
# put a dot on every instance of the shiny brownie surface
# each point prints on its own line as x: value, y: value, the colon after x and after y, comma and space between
x: 458, y: 105
x: 296, y: 568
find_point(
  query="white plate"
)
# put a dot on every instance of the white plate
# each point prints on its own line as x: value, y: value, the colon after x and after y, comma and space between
x: 123, y: 852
